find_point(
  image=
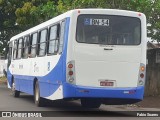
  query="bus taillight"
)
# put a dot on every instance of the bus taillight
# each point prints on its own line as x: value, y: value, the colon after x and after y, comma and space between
x: 71, y: 72
x: 142, y: 75
x: 141, y: 78
x: 142, y: 68
x: 70, y: 65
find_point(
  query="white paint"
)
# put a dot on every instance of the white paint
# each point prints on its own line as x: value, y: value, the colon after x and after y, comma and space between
x: 58, y: 94
x: 34, y: 66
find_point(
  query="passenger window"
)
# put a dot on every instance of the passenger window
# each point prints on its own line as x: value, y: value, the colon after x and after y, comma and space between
x: 15, y: 50
x: 10, y: 49
x: 53, y: 39
x: 20, y: 43
x: 10, y: 53
x: 26, y: 46
x: 61, y: 40
x: 42, y: 43
x: 33, y: 44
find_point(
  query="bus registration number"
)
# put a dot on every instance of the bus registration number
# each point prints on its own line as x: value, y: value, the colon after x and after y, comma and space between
x: 106, y: 83
x: 100, y: 22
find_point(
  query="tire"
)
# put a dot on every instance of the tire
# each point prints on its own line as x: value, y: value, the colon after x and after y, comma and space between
x: 15, y: 92
x: 90, y: 103
x: 37, y: 99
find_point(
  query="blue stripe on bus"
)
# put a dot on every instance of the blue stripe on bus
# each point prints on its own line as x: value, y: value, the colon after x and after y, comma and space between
x: 50, y: 82
x: 74, y: 91
x: 9, y: 77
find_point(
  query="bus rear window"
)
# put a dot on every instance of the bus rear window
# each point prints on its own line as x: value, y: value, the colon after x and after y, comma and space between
x: 108, y: 30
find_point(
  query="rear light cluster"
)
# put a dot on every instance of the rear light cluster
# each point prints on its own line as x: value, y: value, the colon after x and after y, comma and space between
x: 71, y: 72
x: 141, y: 78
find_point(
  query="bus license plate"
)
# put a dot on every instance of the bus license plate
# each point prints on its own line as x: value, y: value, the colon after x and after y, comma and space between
x: 106, y: 83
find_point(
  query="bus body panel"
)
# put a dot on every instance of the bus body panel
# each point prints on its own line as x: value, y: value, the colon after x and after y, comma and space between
x: 94, y: 64
x: 73, y: 91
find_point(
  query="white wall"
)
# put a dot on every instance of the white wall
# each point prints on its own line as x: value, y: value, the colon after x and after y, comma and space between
x: 2, y: 63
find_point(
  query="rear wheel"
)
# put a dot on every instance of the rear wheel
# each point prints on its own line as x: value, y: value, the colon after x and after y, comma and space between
x: 37, y: 99
x: 90, y: 103
x: 15, y: 92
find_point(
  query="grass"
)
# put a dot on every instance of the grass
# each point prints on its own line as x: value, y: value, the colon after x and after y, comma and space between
x: 3, y: 79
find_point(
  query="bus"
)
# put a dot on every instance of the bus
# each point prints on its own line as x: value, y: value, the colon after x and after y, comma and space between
x: 97, y: 56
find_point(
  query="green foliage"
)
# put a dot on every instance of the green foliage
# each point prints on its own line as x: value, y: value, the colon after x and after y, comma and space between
x: 24, y: 18
x: 8, y: 26
x: 30, y: 15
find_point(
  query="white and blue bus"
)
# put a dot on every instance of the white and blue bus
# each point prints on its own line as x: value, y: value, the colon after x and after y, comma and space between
x: 95, y: 55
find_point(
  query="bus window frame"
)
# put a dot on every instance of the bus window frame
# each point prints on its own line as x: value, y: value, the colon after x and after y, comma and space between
x: 39, y: 43
x: 30, y: 45
x: 61, y: 37
x: 57, y: 38
x: 15, y: 48
x: 10, y: 47
x: 140, y: 21
x: 24, y: 47
x: 21, y: 38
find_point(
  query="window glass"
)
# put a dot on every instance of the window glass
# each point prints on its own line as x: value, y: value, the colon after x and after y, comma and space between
x: 43, y: 36
x: 10, y: 53
x: 10, y: 50
x: 26, y: 47
x: 15, y: 50
x: 51, y: 46
x: 53, y: 32
x: 20, y: 43
x: 34, y: 38
x: 42, y: 42
x: 61, y: 37
x: 53, y: 39
x: 108, y: 30
x: 33, y: 45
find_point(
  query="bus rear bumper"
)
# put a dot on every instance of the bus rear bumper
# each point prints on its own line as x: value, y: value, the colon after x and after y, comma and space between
x: 108, y: 95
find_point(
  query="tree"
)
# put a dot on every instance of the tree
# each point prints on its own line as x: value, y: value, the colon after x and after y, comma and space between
x: 8, y: 27
x: 31, y: 14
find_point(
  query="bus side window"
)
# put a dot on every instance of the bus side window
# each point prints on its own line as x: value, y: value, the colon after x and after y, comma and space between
x: 53, y: 40
x: 10, y: 50
x: 20, y: 44
x: 26, y: 46
x: 33, y: 46
x: 15, y: 50
x: 9, y: 54
x: 61, y: 40
x: 42, y: 43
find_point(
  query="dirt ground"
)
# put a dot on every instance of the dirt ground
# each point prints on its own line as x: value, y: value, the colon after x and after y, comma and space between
x: 150, y: 102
